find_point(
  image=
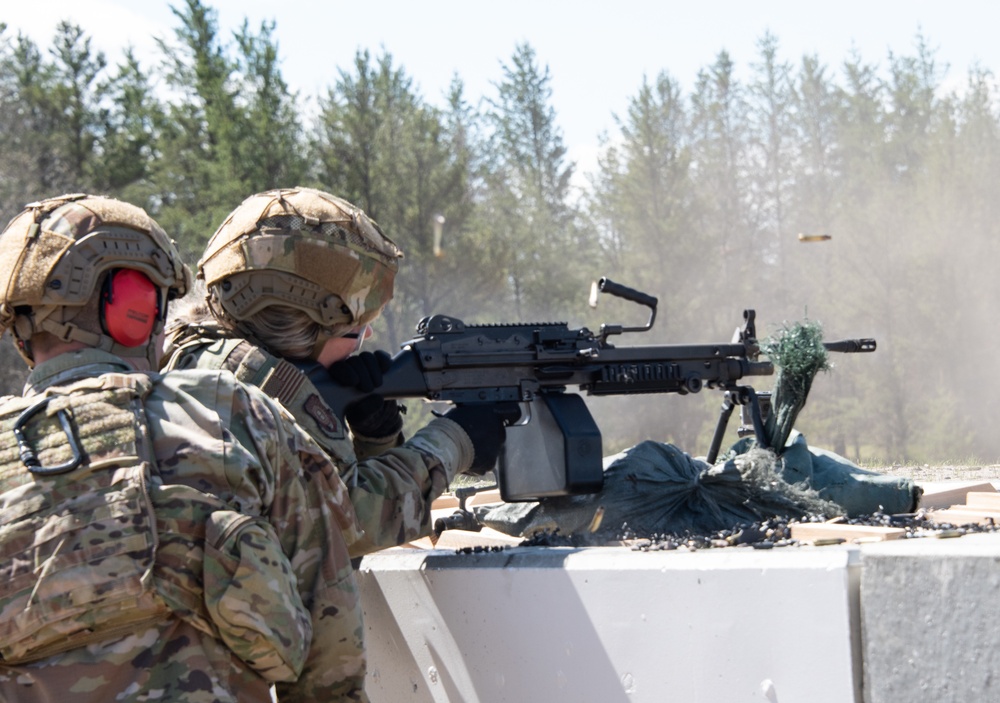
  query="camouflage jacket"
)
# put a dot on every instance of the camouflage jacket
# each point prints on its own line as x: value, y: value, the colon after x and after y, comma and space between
x: 235, y: 490
x: 391, y: 485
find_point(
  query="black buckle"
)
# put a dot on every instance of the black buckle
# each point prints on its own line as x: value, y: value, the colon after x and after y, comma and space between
x: 28, y: 456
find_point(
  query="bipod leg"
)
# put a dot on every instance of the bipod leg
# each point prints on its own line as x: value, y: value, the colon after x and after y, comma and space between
x: 720, y: 427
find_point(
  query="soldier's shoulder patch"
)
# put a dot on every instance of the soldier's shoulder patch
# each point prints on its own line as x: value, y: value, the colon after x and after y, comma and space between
x: 323, y: 415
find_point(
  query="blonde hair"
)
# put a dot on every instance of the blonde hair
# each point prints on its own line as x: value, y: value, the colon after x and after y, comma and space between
x: 283, y: 330
x: 286, y: 331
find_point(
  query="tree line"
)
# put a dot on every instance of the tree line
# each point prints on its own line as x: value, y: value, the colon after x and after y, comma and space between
x: 699, y: 197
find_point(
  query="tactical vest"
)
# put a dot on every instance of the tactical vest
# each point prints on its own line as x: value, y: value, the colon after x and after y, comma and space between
x: 203, y: 346
x: 93, y: 545
x: 77, y: 531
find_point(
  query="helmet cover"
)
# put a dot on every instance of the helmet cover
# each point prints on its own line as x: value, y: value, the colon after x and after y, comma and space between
x: 301, y: 248
x: 55, y: 252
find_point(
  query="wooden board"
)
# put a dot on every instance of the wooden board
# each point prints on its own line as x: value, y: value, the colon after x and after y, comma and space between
x: 945, y: 497
x: 988, y: 501
x: 461, y: 539
x: 963, y: 515
x: 812, y: 531
x: 449, y: 500
x: 446, y: 501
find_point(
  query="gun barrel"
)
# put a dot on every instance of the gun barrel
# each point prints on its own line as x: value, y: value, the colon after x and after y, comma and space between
x: 759, y: 368
x: 851, y: 346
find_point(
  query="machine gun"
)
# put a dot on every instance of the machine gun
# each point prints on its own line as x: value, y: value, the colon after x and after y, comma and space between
x: 555, y: 447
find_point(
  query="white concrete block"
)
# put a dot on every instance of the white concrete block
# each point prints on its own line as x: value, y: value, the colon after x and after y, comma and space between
x: 612, y: 624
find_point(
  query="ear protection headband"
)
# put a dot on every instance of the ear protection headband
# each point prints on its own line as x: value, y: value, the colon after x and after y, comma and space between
x: 130, y: 307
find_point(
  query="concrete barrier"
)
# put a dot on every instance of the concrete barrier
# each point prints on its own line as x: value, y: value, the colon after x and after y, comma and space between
x: 931, y: 620
x: 611, y: 624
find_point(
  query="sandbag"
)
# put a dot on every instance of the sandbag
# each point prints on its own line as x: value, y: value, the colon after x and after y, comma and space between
x: 856, y: 490
x: 654, y: 488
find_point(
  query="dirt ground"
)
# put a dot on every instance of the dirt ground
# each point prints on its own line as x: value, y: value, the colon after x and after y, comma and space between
x: 943, y: 473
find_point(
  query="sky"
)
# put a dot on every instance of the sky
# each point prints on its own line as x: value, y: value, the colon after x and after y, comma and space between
x: 597, y: 52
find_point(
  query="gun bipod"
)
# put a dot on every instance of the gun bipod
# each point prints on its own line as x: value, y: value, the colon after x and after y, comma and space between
x: 744, y: 396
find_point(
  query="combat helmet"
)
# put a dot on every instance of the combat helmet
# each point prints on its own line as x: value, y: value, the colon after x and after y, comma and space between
x: 54, y: 255
x: 304, y: 249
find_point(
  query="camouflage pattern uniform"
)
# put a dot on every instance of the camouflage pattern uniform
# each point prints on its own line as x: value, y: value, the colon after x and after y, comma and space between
x: 169, y: 538
x: 310, y: 251
x: 391, y: 485
x: 220, y: 451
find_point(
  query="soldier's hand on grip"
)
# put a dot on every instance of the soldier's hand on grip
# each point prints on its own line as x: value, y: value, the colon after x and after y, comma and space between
x: 485, y: 426
x: 362, y: 371
x: 372, y: 416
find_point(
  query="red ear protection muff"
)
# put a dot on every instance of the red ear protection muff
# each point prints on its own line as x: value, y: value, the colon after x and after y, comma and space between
x: 129, y: 307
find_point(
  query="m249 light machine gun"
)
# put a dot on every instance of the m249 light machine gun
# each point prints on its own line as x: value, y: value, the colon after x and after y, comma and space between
x: 555, y: 447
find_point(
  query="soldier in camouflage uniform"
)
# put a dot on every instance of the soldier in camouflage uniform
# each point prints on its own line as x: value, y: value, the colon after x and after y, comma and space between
x: 298, y: 274
x: 173, y: 538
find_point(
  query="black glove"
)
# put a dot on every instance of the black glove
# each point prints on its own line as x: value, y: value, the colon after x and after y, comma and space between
x: 362, y: 371
x: 372, y: 416
x: 485, y: 426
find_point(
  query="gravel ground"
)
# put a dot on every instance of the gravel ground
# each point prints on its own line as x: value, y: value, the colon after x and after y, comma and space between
x: 926, y: 473
x: 776, y: 532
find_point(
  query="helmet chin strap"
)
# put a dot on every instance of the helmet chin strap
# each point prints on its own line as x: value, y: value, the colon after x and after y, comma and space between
x: 70, y: 332
x: 42, y: 320
x: 23, y: 347
x: 359, y: 335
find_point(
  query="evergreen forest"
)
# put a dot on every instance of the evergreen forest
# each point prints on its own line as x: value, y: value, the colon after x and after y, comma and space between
x: 699, y: 198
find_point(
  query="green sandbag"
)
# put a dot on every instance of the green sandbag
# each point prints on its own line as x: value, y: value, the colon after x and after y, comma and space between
x: 655, y: 488
x: 856, y: 490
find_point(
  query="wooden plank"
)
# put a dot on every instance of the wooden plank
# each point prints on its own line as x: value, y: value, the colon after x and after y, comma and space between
x: 989, y: 501
x: 963, y: 515
x: 950, y: 495
x: 484, y: 497
x: 812, y: 531
x: 449, y: 500
x: 461, y: 539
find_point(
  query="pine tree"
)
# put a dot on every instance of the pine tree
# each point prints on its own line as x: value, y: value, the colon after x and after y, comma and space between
x: 720, y: 152
x: 133, y: 124
x: 814, y: 108
x: 526, y: 196
x: 380, y: 146
x: 269, y: 152
x: 643, y: 208
x: 76, y: 71
x: 196, y: 173
x: 774, y: 161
